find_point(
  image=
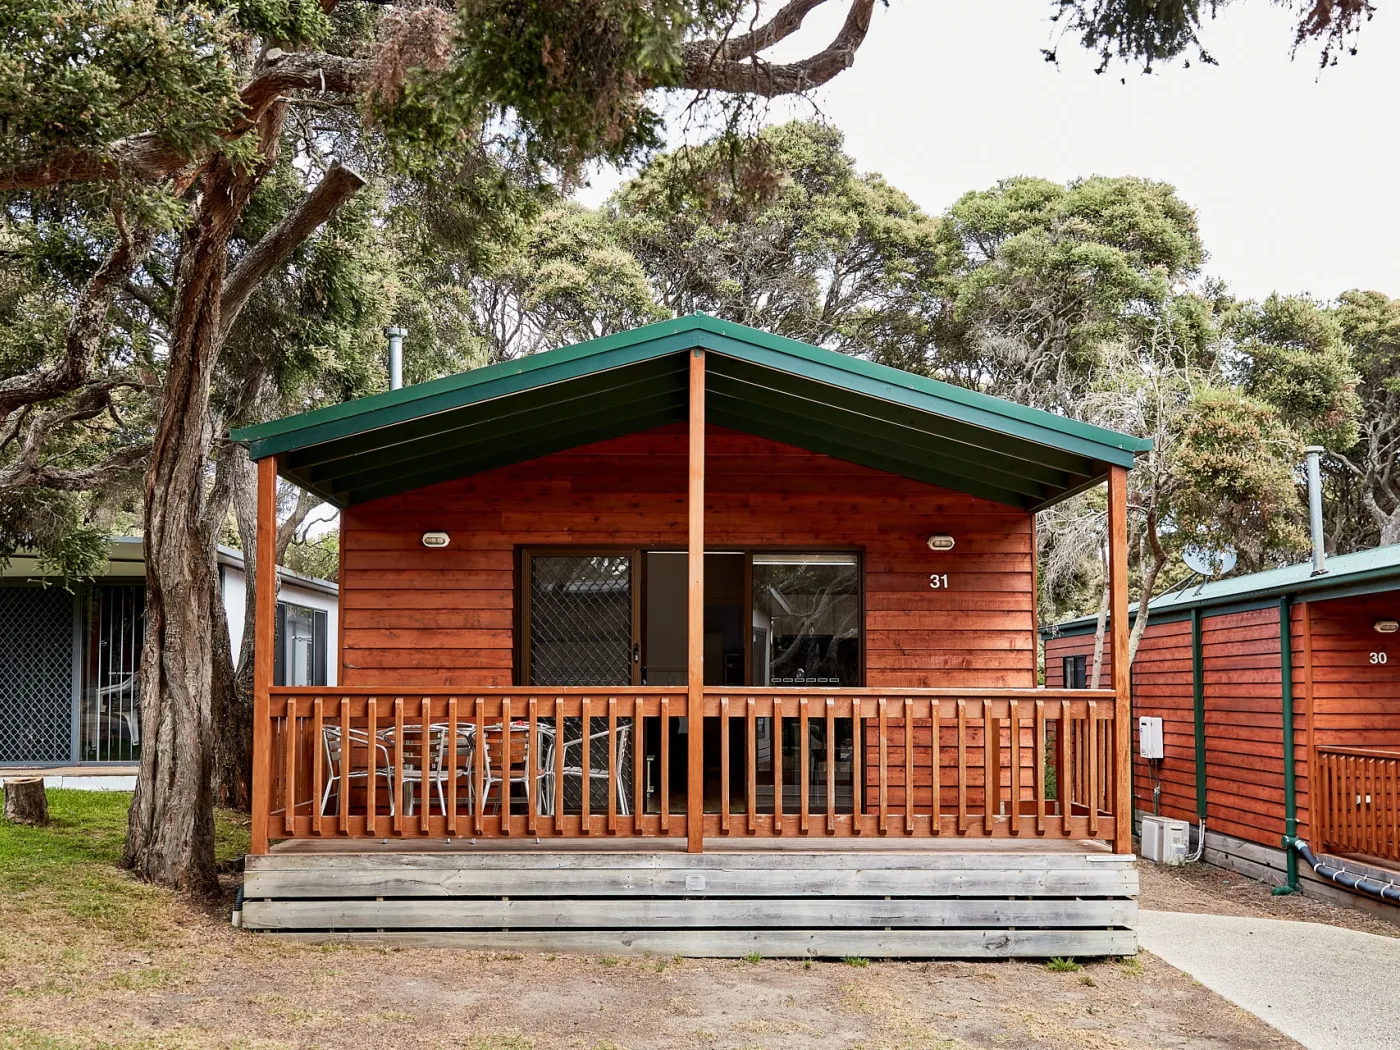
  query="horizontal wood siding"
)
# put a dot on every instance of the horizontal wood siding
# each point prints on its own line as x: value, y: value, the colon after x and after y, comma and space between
x: 445, y: 619
x: 1356, y: 703
x: 1243, y: 719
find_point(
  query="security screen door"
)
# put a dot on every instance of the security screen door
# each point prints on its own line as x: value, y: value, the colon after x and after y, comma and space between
x: 581, y: 619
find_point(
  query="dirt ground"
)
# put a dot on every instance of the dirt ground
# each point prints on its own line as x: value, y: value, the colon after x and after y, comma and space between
x: 160, y: 974
x: 210, y: 986
x: 1204, y: 888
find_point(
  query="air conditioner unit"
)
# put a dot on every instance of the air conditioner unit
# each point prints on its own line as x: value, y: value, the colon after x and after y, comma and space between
x: 1165, y: 841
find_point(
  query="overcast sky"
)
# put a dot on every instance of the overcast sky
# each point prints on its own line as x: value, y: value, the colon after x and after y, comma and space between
x: 1293, y: 175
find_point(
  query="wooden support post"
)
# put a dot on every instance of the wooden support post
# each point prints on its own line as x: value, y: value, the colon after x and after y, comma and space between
x: 695, y: 612
x: 264, y: 634
x: 1118, y: 624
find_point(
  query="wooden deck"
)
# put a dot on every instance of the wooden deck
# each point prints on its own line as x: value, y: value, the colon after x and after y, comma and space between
x: 933, y: 899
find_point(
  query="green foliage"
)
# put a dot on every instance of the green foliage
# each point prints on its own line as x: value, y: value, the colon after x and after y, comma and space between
x: 1234, y: 478
x: 1063, y: 966
x: 783, y: 233
x: 1291, y: 354
x: 81, y: 74
x: 291, y: 23
x: 319, y: 558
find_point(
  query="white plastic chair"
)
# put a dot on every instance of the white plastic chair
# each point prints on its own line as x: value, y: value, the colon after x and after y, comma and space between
x: 331, y: 738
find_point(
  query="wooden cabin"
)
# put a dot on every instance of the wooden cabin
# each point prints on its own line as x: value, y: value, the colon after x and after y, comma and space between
x: 1210, y: 667
x: 691, y: 640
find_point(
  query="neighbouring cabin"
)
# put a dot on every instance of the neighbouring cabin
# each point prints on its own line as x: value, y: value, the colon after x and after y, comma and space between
x: 1209, y: 665
x: 697, y: 640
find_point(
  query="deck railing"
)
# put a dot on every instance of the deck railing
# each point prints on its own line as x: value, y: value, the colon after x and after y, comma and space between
x: 611, y: 762
x: 1358, y: 801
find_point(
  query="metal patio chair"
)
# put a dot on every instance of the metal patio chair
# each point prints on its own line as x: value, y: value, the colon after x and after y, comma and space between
x: 597, y: 770
x: 333, y: 740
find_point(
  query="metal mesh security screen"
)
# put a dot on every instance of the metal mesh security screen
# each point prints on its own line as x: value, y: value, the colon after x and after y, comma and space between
x: 36, y: 674
x: 581, y: 620
x: 113, y: 632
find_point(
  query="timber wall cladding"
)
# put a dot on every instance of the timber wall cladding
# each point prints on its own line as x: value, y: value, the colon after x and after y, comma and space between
x: 444, y: 618
x: 1356, y: 703
x: 1243, y: 719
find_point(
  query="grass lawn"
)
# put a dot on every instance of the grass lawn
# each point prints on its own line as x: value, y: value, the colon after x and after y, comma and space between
x: 90, y: 958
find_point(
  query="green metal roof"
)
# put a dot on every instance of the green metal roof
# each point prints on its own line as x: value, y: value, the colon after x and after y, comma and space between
x: 756, y: 382
x: 1345, y: 575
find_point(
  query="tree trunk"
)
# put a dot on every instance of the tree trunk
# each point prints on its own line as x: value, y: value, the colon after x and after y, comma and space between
x: 170, y: 833
x: 233, y: 672
x: 25, y: 801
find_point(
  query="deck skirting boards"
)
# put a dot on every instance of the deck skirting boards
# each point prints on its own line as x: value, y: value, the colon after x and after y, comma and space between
x: 876, y: 905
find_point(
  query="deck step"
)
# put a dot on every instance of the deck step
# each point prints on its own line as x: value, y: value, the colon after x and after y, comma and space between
x: 878, y: 905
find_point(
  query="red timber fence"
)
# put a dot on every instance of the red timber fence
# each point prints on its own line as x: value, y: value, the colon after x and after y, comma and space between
x: 1358, y: 801
x: 513, y: 763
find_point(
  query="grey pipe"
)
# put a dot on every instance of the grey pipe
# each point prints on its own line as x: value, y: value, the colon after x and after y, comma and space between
x: 1385, y: 891
x: 1314, y: 454
x: 395, y: 335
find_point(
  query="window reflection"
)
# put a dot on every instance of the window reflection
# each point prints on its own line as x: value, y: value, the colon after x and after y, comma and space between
x: 806, y: 619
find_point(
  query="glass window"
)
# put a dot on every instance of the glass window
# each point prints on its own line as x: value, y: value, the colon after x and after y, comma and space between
x: 806, y: 619
x: 1074, y: 672
x: 301, y: 645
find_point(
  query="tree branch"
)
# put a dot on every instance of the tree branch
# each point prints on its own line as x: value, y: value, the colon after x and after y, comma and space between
x: 706, y: 69
x: 782, y: 25
x: 338, y: 186
x: 86, y: 328
x: 149, y: 158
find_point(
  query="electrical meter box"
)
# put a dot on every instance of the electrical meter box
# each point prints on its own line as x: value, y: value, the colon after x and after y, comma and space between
x: 1150, y: 736
x: 1165, y: 841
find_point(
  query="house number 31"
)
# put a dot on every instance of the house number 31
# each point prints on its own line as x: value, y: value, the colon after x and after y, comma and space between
x: 938, y: 581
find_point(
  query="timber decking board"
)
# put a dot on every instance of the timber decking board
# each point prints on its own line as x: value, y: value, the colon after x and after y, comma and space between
x: 1001, y: 902
x: 736, y: 944
x: 563, y: 914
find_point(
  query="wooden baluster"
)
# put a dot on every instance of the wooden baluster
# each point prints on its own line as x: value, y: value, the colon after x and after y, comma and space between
x: 908, y: 766
x: 962, y: 766
x: 751, y: 764
x: 935, y: 771
x: 777, y: 765
x: 396, y: 781
x: 724, y: 765
x: 830, y: 766
x: 289, y: 762
x: 991, y: 767
x: 372, y: 786
x: 425, y: 762
x: 1064, y: 786
x: 346, y: 751
x: 804, y: 736
x: 1014, y: 719
x: 479, y: 767
x: 558, y: 765
x: 638, y: 793
x: 612, y: 765
x: 884, y: 768
x: 665, y: 765
x: 532, y: 767
x: 318, y: 772
x: 451, y: 770
x: 507, y: 757
x: 586, y: 764
x: 1038, y: 756
x: 1093, y: 729
x: 857, y: 768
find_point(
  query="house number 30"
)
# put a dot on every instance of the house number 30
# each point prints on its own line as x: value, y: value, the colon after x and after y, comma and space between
x: 1378, y: 658
x: 939, y: 582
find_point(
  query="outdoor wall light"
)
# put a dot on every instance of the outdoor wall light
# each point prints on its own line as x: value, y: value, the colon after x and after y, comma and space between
x: 1386, y: 626
x: 939, y: 542
x: 436, y: 539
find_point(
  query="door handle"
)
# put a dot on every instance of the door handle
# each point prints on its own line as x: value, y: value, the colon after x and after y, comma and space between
x: 636, y: 652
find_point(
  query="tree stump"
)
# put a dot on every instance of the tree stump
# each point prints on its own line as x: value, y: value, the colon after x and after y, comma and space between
x: 25, y: 802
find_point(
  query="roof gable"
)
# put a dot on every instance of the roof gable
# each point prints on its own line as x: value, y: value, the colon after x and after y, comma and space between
x: 755, y: 382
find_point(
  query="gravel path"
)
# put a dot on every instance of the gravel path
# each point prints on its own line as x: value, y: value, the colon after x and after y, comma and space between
x: 1328, y: 988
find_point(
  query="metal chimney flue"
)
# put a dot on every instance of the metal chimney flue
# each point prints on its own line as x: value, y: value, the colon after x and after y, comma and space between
x: 395, y: 335
x: 1314, y: 461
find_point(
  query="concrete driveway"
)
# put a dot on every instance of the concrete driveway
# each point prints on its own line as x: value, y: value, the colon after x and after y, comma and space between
x: 1327, y: 987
